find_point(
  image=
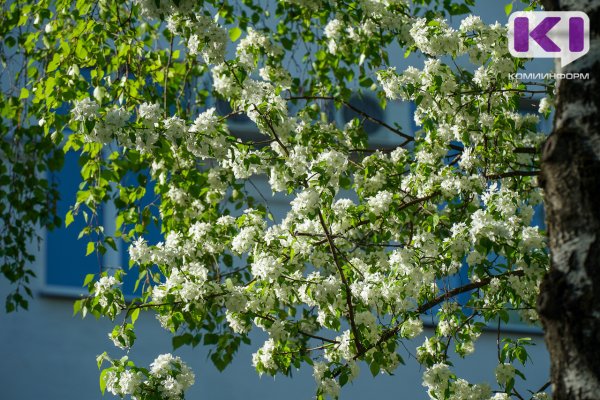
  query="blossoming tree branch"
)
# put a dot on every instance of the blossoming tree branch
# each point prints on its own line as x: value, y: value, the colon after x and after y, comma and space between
x: 375, y: 239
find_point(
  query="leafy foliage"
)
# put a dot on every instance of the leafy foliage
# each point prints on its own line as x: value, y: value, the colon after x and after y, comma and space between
x: 438, y: 223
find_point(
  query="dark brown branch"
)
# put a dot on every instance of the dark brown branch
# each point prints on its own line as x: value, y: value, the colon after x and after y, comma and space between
x: 360, y: 112
x: 511, y: 174
x: 526, y: 150
x: 357, y: 342
x: 324, y: 339
x: 392, y: 332
x: 380, y: 122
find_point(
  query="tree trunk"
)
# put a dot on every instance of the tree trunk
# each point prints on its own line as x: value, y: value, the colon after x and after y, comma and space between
x: 569, y: 302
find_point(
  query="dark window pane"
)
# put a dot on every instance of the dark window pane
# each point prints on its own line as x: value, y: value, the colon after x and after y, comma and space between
x: 66, y: 263
x: 367, y: 105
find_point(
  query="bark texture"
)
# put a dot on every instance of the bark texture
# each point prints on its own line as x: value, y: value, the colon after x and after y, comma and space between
x: 569, y: 302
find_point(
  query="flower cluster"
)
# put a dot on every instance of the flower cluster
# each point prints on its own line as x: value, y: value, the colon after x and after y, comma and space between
x: 371, y: 240
x: 106, y: 292
x: 85, y: 110
x: 203, y: 35
x: 169, y: 377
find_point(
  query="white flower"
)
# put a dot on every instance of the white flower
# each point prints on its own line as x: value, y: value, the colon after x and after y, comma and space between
x: 380, y: 203
x: 481, y: 77
x: 464, y: 391
x: 170, y: 388
x: 173, y: 21
x: 73, y: 70
x: 112, y: 383
x: 266, y: 267
x: 391, y: 82
x: 223, y: 82
x: 333, y: 29
x: 306, y: 201
x: 437, y: 378
x: 532, y: 238
x: 175, y: 375
x: 467, y: 160
x: 193, y: 45
x: 105, y: 284
x: 446, y: 328
x: 471, y: 23
x: 504, y: 373
x: 215, y: 38
x: 541, y: 396
x: 411, y: 328
x: 487, y: 120
x: 333, y: 161
x: 398, y: 155
x: 264, y: 357
x: 244, y: 239
x: 85, y: 110
x: 435, y: 40
x: 116, y: 118
x: 545, y: 105
x: 319, y: 369
x: 150, y: 112
x: 475, y: 258
x: 329, y: 387
x: 186, y: 377
x: 237, y: 323
x: 120, y: 339
x: 163, y: 364
x: 252, y: 44
x: 175, y: 128
x: 278, y: 330
x: 130, y: 381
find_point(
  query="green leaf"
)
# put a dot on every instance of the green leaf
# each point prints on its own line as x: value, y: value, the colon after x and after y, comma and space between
x: 181, y: 340
x: 211, y: 338
x: 374, y: 368
x: 343, y: 378
x: 103, y: 380
x: 508, y: 8
x: 24, y: 93
x: 77, y: 306
x: 69, y: 218
x: 235, y: 33
x: 90, y: 248
x: 111, y: 242
x: 88, y: 279
x: 134, y: 315
x: 54, y: 63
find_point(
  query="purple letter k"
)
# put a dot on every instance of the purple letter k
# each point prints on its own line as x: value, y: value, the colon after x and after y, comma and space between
x: 539, y: 34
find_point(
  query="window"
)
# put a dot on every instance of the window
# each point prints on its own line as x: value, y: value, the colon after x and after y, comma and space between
x: 368, y: 105
x: 66, y: 263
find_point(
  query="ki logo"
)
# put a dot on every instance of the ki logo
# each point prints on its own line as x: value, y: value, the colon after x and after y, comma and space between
x: 555, y: 34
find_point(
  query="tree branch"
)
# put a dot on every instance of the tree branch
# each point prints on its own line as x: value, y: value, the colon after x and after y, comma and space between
x: 511, y: 174
x: 392, y: 332
x: 357, y: 342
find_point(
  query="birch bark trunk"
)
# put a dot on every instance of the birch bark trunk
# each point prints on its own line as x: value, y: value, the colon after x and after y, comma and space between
x: 569, y: 301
